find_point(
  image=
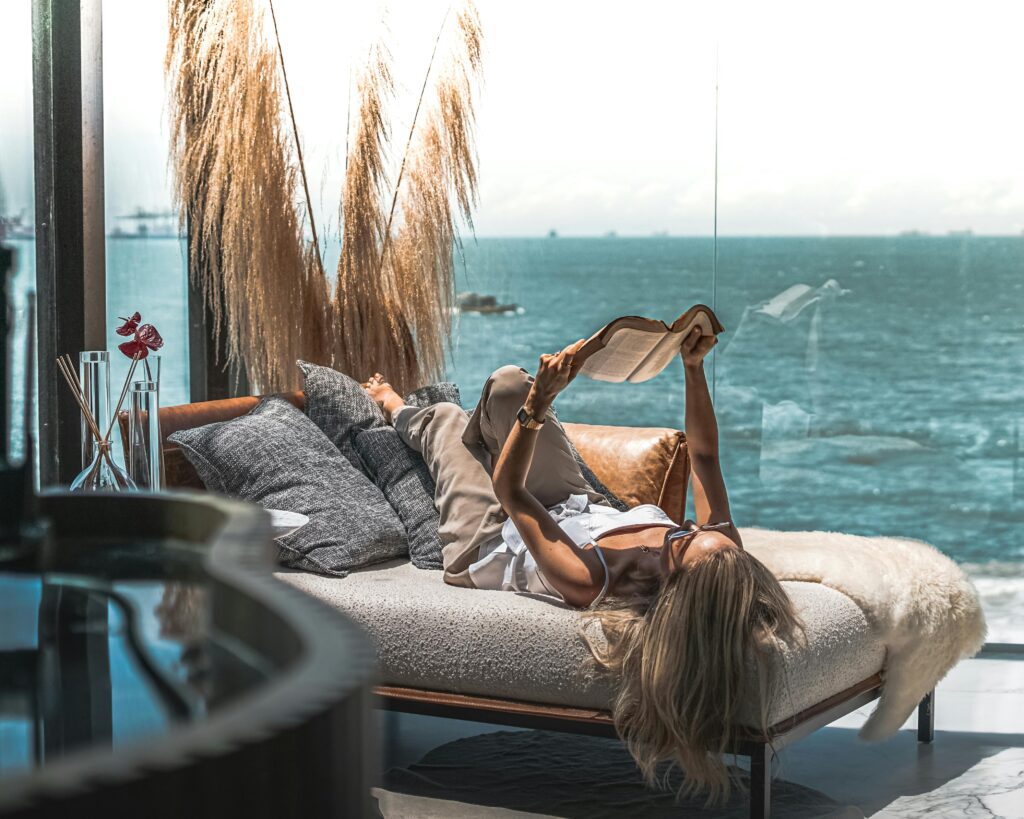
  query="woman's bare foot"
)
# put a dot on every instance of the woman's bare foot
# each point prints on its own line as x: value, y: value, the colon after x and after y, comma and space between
x: 383, y: 395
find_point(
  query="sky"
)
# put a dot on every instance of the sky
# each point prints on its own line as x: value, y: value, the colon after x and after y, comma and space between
x: 833, y: 118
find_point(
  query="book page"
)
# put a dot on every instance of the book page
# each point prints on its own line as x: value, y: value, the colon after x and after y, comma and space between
x: 623, y: 350
x: 668, y: 348
x: 658, y: 359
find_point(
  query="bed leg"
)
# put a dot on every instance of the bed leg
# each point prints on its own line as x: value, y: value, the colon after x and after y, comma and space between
x: 926, y: 718
x: 761, y: 782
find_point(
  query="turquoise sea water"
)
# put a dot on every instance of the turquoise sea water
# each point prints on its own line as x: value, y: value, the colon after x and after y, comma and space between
x: 866, y: 385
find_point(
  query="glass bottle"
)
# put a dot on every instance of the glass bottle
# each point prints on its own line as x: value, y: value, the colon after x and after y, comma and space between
x: 94, y: 373
x: 102, y: 475
x: 144, y: 444
x: 152, y: 365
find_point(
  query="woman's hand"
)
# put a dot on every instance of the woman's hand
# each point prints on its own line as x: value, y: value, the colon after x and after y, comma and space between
x: 695, y: 346
x: 553, y: 375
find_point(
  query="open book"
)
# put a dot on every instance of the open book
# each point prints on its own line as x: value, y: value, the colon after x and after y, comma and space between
x: 633, y: 348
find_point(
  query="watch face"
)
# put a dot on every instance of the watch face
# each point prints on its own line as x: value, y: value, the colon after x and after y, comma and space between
x: 527, y: 420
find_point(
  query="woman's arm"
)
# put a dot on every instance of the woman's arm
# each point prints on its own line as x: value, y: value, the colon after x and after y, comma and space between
x: 576, y: 573
x: 710, y: 498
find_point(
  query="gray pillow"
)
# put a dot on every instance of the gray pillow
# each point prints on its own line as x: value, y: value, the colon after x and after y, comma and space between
x: 278, y: 458
x: 403, y: 477
x: 340, y: 407
x: 434, y: 394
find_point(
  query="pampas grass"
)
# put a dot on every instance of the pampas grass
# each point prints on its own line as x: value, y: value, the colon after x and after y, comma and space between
x: 395, y: 292
x: 365, y: 302
x: 237, y: 186
x: 437, y: 184
x: 237, y: 170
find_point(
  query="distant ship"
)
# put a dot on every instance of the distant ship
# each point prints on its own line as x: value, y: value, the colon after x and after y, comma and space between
x: 145, y: 224
x: 552, y: 234
x: 479, y: 303
x: 15, y: 227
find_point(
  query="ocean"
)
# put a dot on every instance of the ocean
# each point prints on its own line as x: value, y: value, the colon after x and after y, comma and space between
x: 871, y: 385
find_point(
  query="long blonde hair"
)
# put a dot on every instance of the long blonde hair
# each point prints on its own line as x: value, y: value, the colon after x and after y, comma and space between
x: 683, y: 654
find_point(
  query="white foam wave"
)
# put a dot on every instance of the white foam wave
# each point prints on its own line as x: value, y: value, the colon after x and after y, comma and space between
x: 1000, y: 586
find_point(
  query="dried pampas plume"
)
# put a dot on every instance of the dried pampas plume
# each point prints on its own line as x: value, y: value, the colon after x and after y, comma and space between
x: 237, y: 186
x: 437, y: 184
x: 237, y: 172
x: 365, y: 301
x: 395, y: 287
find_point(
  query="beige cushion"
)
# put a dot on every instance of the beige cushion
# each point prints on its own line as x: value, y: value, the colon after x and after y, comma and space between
x: 502, y: 644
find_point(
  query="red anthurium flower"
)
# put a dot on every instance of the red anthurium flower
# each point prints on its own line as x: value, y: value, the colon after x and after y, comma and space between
x: 134, y: 348
x: 146, y: 338
x: 129, y: 326
x: 148, y: 335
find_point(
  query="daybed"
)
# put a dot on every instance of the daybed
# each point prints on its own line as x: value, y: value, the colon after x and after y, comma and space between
x: 510, y: 659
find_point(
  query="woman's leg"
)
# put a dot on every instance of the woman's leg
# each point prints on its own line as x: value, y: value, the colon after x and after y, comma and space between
x: 554, y: 473
x: 470, y: 514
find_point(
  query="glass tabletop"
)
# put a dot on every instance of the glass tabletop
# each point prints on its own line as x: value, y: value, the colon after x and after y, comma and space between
x: 90, y: 656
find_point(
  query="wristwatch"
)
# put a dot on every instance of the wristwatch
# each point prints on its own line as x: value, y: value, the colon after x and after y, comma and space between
x: 527, y: 421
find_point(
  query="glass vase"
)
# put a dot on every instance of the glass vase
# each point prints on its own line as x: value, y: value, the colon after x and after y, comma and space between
x: 102, y: 475
x: 94, y: 373
x: 151, y: 369
x: 144, y: 444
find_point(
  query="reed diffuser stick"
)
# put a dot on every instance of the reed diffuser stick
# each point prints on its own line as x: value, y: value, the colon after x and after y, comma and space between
x: 124, y: 392
x: 76, y: 392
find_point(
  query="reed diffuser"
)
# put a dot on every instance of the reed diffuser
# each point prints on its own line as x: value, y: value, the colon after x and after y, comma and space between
x: 103, y: 474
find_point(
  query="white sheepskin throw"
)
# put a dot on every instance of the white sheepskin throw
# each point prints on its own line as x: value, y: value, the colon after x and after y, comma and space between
x: 918, y: 601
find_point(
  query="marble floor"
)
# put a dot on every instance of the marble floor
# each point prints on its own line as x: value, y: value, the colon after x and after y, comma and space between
x: 975, y: 768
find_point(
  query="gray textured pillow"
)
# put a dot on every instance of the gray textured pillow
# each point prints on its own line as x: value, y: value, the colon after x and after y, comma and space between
x: 434, y: 394
x: 405, y: 480
x: 340, y: 407
x: 278, y: 458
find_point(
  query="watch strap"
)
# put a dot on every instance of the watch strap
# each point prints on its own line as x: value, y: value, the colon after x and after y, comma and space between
x: 528, y: 421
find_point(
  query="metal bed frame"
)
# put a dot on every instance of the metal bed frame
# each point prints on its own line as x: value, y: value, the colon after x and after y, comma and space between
x: 760, y: 750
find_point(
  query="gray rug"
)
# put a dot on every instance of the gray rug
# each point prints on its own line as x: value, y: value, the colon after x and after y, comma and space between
x: 540, y: 773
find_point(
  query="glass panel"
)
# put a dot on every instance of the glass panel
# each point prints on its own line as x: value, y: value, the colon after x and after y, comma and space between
x: 596, y: 183
x: 596, y: 192
x: 17, y: 192
x: 146, y: 258
x: 871, y: 282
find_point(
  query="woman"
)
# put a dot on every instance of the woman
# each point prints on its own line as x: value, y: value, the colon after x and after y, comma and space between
x: 683, y: 606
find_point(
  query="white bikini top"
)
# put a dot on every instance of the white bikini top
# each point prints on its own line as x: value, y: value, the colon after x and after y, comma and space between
x: 507, y: 564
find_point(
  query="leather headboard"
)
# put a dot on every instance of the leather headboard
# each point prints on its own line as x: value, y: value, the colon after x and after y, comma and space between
x: 639, y: 464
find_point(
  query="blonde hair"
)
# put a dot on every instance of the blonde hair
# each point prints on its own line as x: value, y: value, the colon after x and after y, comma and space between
x: 682, y: 654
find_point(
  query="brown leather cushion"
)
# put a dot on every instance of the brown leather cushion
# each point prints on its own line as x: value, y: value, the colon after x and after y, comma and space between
x: 639, y: 464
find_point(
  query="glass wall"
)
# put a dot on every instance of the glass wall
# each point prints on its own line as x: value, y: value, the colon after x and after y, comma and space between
x: 597, y: 191
x: 17, y: 194
x: 870, y: 207
x: 870, y: 258
x: 871, y: 276
x: 146, y: 257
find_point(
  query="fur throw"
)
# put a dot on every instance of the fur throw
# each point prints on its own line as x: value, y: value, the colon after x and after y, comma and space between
x: 918, y: 601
